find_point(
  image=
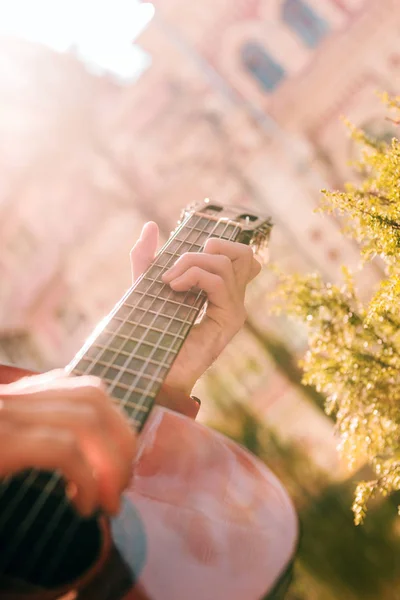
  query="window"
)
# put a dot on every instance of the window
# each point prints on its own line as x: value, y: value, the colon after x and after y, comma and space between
x: 262, y: 66
x: 305, y: 23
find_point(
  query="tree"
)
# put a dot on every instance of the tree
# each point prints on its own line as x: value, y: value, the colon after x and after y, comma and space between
x: 354, y: 345
x: 334, y: 559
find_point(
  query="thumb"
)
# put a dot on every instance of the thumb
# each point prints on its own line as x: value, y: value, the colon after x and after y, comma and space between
x: 144, y: 251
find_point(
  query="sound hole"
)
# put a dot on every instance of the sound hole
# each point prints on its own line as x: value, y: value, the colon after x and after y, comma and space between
x: 43, y: 542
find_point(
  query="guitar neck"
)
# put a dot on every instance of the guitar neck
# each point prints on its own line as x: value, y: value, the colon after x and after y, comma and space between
x: 134, y: 347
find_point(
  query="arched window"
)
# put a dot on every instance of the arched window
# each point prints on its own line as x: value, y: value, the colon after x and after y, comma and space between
x: 262, y: 66
x: 306, y: 24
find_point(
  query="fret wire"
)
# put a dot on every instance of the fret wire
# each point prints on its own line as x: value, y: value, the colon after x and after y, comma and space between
x: 127, y: 295
x: 170, y: 295
x: 154, y: 297
x: 186, y: 323
x: 138, y: 423
x: 136, y: 389
x: 132, y: 418
x: 135, y: 406
x: 164, y: 303
x: 173, y: 255
x: 143, y: 294
x: 157, y: 313
x: 183, y: 323
x: 131, y: 372
x: 170, y: 292
x: 139, y: 324
x: 186, y: 225
x: 149, y: 312
x: 138, y: 340
x: 234, y: 232
x: 152, y: 361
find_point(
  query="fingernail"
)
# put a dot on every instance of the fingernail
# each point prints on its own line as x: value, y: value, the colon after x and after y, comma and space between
x: 71, y: 490
x: 168, y: 275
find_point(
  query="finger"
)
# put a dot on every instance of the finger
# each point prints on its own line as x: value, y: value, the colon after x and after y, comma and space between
x: 82, y: 407
x: 214, y: 286
x: 245, y: 266
x: 83, y: 423
x: 31, y: 381
x: 256, y: 267
x: 144, y: 251
x: 79, y: 389
x: 92, y: 390
x: 217, y: 264
x: 65, y: 456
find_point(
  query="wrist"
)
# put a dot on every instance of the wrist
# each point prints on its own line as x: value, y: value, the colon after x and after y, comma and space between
x: 178, y: 401
x: 181, y: 385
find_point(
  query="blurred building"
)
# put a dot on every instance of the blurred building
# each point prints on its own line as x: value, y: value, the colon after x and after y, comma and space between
x: 242, y: 104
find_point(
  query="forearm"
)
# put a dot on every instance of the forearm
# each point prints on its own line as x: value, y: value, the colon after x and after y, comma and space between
x: 168, y: 397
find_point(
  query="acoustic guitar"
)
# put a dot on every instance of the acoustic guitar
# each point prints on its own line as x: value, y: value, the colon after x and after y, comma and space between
x: 203, y: 519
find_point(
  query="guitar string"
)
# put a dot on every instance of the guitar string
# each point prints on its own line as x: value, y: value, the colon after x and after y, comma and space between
x: 140, y: 341
x: 6, y: 482
x: 73, y: 527
x: 55, y: 478
x: 183, y: 324
x: 115, y: 333
x: 53, y: 525
x: 170, y: 295
x: 139, y: 404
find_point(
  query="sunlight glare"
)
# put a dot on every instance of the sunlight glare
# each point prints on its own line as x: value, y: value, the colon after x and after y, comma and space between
x: 101, y: 32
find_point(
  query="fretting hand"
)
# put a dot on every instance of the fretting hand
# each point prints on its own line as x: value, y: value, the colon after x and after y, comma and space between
x: 55, y: 422
x: 223, y: 271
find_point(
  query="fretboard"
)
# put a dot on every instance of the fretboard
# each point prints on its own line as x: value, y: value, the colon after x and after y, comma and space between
x: 136, y: 345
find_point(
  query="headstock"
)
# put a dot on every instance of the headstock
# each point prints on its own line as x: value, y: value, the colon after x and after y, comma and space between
x: 256, y: 228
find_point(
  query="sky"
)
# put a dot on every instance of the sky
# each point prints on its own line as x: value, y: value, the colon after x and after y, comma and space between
x: 101, y: 31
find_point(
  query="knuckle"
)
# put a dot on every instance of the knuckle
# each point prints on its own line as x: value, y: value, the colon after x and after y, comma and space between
x: 219, y: 283
x: 225, y: 261
x: 186, y: 259
x: 93, y: 388
x: 212, y: 244
x: 93, y: 417
x: 180, y: 262
x: 68, y: 446
x: 195, y: 271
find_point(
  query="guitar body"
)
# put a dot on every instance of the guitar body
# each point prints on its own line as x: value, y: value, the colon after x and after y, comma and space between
x: 203, y: 520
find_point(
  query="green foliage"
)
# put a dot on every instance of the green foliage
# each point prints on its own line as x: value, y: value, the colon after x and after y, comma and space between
x: 285, y: 361
x: 334, y: 559
x: 354, y: 347
x: 352, y: 561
